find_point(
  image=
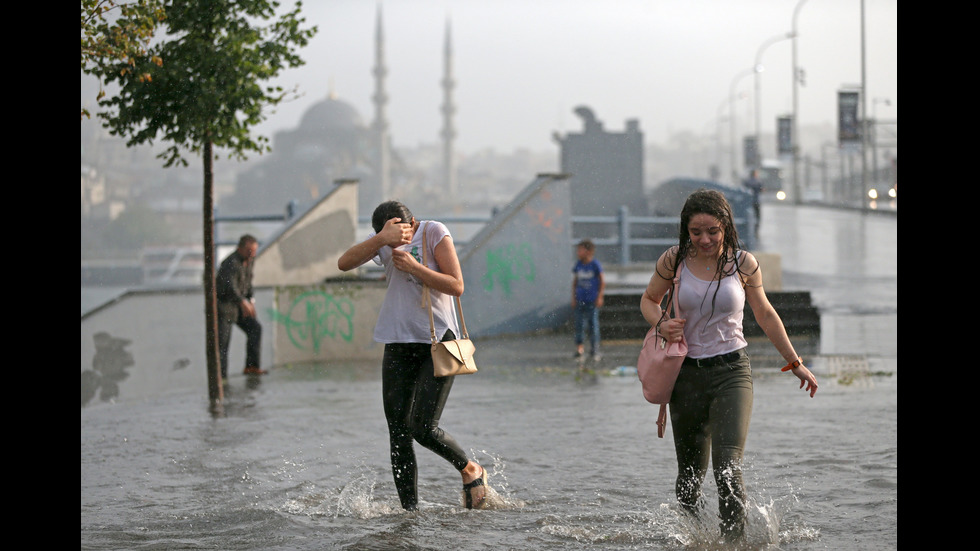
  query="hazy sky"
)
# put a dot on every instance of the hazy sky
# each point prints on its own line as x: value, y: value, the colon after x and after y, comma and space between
x: 522, y: 66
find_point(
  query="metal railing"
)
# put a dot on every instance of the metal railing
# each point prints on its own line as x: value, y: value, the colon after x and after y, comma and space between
x: 622, y: 222
x: 291, y: 209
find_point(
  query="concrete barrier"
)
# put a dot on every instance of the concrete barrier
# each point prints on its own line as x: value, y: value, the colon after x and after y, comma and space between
x: 329, y: 321
x: 517, y: 271
x: 518, y: 268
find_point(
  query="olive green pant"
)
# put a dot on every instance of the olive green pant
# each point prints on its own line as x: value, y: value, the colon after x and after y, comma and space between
x: 710, y: 410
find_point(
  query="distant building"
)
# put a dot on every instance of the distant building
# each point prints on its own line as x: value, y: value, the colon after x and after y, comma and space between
x: 606, y: 168
x: 331, y: 143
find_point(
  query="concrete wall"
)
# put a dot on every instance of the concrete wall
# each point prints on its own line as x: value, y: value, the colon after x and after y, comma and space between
x: 332, y: 320
x: 517, y: 271
x: 306, y: 251
x: 518, y: 268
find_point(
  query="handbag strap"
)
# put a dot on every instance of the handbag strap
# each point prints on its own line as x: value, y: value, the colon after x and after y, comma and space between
x: 674, y: 289
x: 427, y: 299
x: 671, y: 307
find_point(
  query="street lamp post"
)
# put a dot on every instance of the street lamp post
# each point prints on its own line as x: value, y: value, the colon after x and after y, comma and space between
x: 864, y: 114
x: 794, y: 128
x: 731, y: 116
x: 719, y: 120
x: 873, y: 127
x: 758, y: 68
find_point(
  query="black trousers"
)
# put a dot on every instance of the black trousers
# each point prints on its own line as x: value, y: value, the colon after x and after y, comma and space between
x: 253, y: 334
x: 710, y: 410
x: 413, y: 403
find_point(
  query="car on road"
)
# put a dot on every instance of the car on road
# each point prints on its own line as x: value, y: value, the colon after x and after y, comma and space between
x: 882, y: 194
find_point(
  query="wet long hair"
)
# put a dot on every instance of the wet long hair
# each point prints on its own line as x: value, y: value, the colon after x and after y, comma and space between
x: 388, y: 210
x: 712, y: 203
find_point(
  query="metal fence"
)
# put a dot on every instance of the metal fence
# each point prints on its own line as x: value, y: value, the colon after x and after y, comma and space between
x: 613, y: 236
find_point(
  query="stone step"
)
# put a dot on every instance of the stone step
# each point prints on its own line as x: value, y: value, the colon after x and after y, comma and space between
x: 620, y: 317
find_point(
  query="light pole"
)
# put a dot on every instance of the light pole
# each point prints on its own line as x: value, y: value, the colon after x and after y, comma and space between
x: 758, y: 68
x: 864, y: 115
x: 794, y: 128
x: 719, y: 119
x: 873, y: 127
x: 731, y: 116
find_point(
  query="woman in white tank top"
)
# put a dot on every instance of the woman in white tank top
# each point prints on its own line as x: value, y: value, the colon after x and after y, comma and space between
x: 711, y: 404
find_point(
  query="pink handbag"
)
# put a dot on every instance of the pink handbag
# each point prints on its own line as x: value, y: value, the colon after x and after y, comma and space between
x: 660, y: 362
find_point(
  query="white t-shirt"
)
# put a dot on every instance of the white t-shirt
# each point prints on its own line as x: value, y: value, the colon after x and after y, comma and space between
x: 403, y: 316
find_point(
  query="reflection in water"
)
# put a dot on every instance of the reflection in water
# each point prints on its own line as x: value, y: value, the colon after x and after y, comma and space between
x: 108, y: 368
x: 302, y: 463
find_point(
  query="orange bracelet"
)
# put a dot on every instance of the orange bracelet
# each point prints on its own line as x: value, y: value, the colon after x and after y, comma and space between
x: 795, y: 363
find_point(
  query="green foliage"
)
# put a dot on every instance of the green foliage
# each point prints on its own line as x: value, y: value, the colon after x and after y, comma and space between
x: 117, y: 33
x: 210, y: 88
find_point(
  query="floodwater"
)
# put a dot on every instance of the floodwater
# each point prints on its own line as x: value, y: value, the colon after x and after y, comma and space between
x: 298, y: 459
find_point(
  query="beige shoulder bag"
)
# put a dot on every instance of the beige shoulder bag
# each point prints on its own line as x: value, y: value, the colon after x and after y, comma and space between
x: 449, y: 357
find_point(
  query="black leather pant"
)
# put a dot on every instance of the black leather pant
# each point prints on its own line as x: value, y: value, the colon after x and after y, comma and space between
x: 413, y: 403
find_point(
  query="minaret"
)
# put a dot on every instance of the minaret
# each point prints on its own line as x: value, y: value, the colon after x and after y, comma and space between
x: 448, y: 110
x: 380, y: 124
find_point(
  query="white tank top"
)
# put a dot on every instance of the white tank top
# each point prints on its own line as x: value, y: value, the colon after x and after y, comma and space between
x: 711, y: 329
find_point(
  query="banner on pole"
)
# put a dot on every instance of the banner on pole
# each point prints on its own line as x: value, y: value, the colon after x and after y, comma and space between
x: 751, y: 151
x: 849, y: 127
x: 784, y: 135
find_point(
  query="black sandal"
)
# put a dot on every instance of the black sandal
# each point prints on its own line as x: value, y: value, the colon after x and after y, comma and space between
x: 467, y: 497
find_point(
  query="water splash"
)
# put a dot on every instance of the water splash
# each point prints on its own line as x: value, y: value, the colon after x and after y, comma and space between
x: 498, y: 496
x: 770, y: 518
x: 356, y: 499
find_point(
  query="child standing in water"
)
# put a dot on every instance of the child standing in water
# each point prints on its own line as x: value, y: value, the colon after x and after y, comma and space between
x: 588, y: 289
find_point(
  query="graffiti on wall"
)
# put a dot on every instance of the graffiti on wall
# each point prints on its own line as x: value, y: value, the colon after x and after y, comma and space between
x: 549, y: 218
x: 315, y: 316
x: 506, y: 265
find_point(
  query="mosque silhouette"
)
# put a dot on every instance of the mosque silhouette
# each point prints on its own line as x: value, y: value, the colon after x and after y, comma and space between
x: 332, y: 142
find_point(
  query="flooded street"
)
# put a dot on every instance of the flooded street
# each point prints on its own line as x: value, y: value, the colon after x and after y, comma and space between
x: 298, y: 460
x: 849, y: 262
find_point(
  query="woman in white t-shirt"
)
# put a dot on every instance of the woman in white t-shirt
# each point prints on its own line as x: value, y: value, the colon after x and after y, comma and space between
x: 413, y: 397
x: 711, y: 403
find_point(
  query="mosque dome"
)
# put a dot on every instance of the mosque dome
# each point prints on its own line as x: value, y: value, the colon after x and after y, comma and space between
x: 331, y: 113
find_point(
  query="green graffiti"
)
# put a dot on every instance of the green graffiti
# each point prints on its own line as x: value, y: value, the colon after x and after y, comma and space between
x: 508, y: 264
x: 314, y: 316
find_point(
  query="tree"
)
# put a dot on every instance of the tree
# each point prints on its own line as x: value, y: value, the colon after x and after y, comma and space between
x: 114, y: 32
x: 207, y: 94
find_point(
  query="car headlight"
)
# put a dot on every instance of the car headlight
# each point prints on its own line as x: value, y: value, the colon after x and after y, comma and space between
x: 873, y: 193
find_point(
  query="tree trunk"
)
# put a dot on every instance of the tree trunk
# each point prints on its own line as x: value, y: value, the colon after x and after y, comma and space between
x: 215, y: 392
